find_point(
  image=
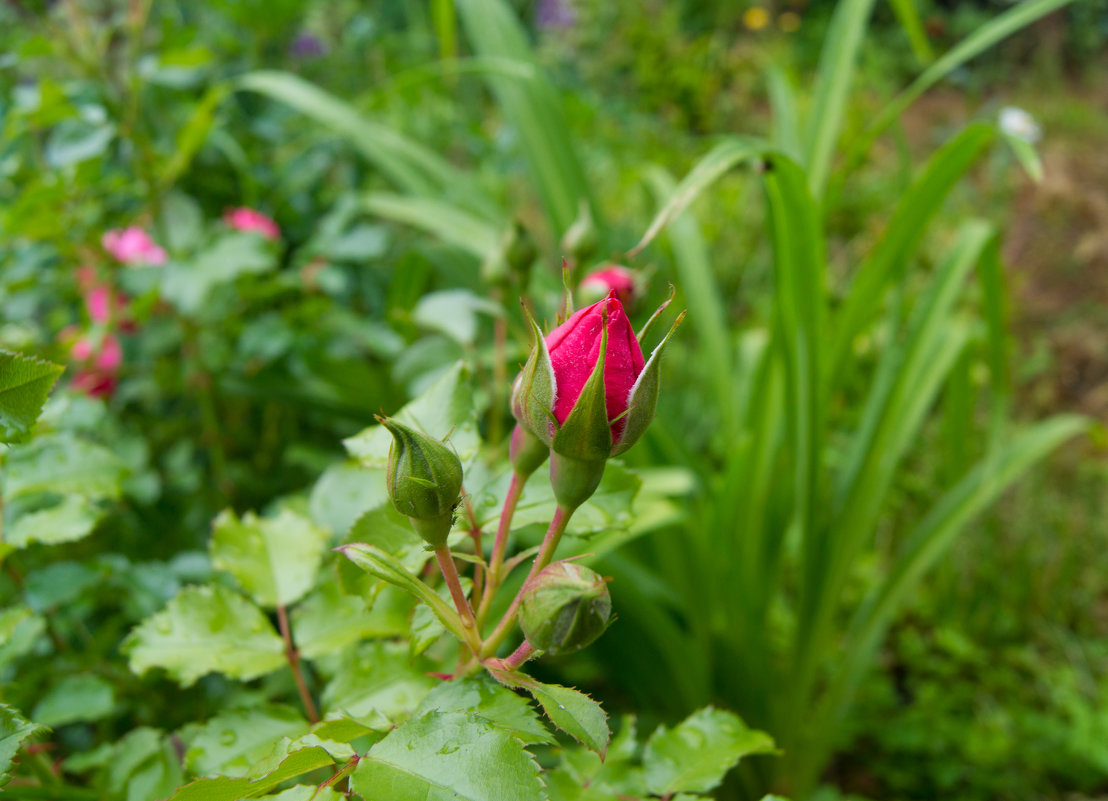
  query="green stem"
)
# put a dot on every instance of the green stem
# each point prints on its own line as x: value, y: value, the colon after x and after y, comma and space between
x: 542, y: 559
x: 500, y: 545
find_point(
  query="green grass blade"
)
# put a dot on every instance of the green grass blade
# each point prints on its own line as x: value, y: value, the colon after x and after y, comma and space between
x: 908, y: 17
x: 441, y: 219
x: 708, y: 315
x: 998, y: 339
x: 409, y: 165
x: 727, y: 154
x: 836, y: 69
x: 890, y: 257
x: 535, y: 109
x: 800, y: 295
x: 785, y: 131
x: 1016, y: 18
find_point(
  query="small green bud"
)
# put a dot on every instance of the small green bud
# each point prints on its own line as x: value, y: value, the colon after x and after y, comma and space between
x: 424, y: 481
x: 565, y: 607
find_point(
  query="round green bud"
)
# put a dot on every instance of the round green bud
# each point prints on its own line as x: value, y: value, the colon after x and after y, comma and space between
x: 565, y: 607
x: 424, y: 481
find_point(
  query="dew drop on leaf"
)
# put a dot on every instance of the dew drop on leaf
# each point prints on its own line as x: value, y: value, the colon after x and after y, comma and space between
x: 228, y: 737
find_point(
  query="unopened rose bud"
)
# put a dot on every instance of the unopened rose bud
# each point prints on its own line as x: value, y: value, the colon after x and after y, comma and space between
x: 424, y: 481
x: 613, y: 278
x: 587, y: 393
x: 565, y: 607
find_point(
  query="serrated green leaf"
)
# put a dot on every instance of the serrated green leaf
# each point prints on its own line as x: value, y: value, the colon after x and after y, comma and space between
x: 63, y: 463
x: 444, y: 410
x: 14, y: 731
x: 448, y: 757
x: 204, y: 630
x: 488, y: 700
x: 144, y: 765
x: 274, y: 559
x: 72, y: 518
x: 570, y: 710
x: 228, y: 789
x: 20, y: 628
x: 696, y: 754
x: 232, y: 742
x: 328, y: 621
x: 83, y: 697
x: 378, y: 680
x: 304, y: 792
x: 24, y: 384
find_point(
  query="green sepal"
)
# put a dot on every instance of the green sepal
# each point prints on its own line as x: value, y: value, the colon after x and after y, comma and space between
x: 535, y: 390
x: 643, y: 399
x: 649, y: 324
x: 586, y: 434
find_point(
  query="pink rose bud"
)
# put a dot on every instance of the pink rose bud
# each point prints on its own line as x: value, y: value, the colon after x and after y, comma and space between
x: 613, y: 278
x: 587, y: 393
x: 133, y: 246
x: 574, y: 349
x: 247, y: 219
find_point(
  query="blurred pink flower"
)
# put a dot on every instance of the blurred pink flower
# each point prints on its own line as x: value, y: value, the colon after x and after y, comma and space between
x: 101, y: 361
x: 99, y: 302
x: 133, y: 246
x: 612, y: 278
x: 246, y: 219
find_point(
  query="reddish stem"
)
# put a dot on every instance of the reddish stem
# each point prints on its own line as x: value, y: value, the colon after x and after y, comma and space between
x: 293, y: 657
x: 450, y: 575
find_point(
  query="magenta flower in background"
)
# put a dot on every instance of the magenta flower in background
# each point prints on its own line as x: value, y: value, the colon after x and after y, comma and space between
x: 575, y: 348
x: 101, y: 360
x: 613, y: 278
x: 246, y: 219
x: 133, y: 246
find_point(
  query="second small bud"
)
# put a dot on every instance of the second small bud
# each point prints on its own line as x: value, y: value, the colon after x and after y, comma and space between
x: 565, y: 607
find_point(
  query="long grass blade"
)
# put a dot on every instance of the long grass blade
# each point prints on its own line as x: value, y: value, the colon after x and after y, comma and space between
x: 709, y: 318
x: 409, y: 165
x: 785, y: 120
x: 836, y: 69
x: 908, y: 16
x: 800, y: 295
x: 727, y: 154
x: 535, y: 109
x: 441, y: 219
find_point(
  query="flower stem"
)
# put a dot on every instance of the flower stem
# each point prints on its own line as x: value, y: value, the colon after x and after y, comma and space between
x: 450, y: 574
x: 293, y: 657
x: 500, y: 544
x: 546, y: 553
